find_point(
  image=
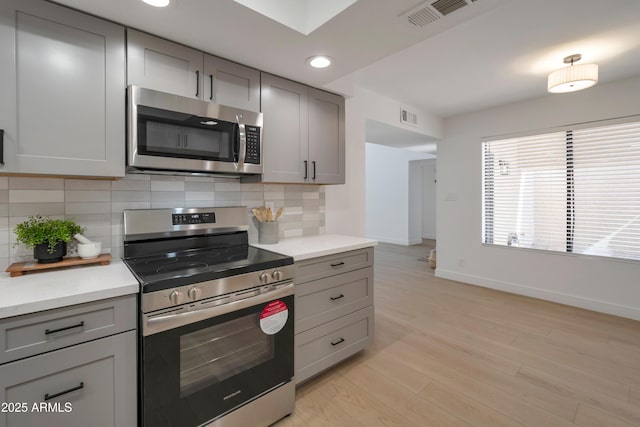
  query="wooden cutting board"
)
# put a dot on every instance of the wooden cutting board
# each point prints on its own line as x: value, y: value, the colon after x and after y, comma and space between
x: 20, y: 268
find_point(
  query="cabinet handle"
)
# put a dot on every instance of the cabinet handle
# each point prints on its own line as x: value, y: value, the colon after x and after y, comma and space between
x: 211, y: 92
x: 336, y: 298
x: 341, y: 340
x: 1, y: 146
x: 314, y: 169
x: 337, y: 264
x: 305, y: 169
x: 54, y: 395
x: 186, y: 141
x: 53, y: 331
x: 197, y: 83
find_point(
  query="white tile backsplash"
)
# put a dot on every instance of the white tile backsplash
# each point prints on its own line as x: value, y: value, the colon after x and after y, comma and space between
x: 98, y: 204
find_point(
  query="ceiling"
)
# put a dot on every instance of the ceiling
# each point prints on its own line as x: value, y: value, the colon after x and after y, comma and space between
x: 489, y: 53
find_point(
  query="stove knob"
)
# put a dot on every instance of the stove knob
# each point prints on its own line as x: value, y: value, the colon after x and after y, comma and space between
x: 277, y: 275
x: 264, y: 277
x: 175, y: 297
x: 194, y: 293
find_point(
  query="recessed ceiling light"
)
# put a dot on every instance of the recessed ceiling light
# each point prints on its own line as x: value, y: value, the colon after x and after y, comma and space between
x: 320, y: 61
x: 157, y: 3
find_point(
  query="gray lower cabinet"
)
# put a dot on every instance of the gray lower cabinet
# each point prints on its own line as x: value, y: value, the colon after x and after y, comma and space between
x: 159, y: 64
x: 303, y: 134
x: 334, y: 316
x: 61, y: 92
x: 71, y: 367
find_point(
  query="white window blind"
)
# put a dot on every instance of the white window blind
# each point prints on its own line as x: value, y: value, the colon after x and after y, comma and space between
x: 572, y: 190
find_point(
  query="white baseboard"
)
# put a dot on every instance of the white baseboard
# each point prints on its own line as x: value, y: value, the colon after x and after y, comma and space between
x: 544, y: 294
x: 429, y: 237
x: 384, y: 239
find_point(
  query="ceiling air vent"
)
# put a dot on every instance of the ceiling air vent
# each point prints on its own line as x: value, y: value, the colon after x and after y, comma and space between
x: 408, y: 118
x: 422, y: 17
x: 430, y: 11
x: 445, y: 7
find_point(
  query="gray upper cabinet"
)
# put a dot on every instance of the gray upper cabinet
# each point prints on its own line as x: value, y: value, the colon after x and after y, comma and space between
x: 303, y: 135
x: 61, y: 92
x: 326, y: 137
x: 285, y: 134
x: 162, y: 65
x: 232, y: 84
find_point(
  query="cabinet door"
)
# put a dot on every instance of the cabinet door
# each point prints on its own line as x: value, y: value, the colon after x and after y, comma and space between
x: 159, y: 64
x: 326, y: 137
x: 61, y: 92
x: 286, y: 130
x: 91, y: 384
x: 228, y: 83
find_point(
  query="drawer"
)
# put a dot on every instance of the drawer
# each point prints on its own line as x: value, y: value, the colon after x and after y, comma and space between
x: 321, y: 301
x: 32, y: 334
x: 330, y: 265
x: 322, y: 347
x: 91, y: 384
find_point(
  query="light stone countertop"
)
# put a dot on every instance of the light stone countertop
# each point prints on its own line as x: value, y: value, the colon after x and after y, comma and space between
x: 301, y: 248
x: 47, y: 290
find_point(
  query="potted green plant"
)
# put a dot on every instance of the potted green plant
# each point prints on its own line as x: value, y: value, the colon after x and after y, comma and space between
x: 48, y: 237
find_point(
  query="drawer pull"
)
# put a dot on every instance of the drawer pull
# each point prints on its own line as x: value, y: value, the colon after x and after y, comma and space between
x: 341, y: 340
x: 337, y: 264
x: 54, y: 395
x: 336, y: 298
x: 53, y: 331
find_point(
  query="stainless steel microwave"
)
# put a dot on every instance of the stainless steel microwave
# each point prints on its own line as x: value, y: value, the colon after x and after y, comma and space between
x: 174, y: 134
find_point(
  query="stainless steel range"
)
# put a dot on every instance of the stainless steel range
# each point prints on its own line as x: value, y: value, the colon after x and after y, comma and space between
x: 216, y: 346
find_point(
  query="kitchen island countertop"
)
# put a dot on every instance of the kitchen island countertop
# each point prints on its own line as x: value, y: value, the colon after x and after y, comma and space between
x: 301, y: 248
x: 60, y: 288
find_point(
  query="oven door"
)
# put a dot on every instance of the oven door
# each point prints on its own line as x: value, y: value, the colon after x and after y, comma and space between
x: 200, y: 364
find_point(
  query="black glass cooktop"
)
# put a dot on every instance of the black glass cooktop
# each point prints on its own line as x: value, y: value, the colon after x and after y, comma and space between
x: 169, y: 264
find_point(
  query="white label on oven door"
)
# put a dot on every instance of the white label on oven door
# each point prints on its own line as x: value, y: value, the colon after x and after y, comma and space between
x: 274, y: 317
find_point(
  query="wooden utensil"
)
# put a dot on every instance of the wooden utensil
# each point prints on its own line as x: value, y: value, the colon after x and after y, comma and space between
x: 278, y: 213
x: 257, y: 214
x: 269, y: 215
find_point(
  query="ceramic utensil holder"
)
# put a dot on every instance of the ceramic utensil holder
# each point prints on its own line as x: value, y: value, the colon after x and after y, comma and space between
x: 268, y: 232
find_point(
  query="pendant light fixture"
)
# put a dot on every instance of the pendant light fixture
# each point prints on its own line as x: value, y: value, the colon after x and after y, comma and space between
x: 574, y: 77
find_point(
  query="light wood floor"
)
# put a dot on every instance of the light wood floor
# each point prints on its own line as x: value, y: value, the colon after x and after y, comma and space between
x: 450, y: 354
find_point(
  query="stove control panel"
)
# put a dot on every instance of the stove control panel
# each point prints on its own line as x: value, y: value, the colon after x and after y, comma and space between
x: 265, y: 277
x: 194, y: 218
x: 217, y: 291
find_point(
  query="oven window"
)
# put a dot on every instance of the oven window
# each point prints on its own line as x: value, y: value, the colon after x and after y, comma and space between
x: 213, y: 354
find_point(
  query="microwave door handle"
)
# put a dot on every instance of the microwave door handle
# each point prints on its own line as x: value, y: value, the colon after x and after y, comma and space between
x: 243, y: 145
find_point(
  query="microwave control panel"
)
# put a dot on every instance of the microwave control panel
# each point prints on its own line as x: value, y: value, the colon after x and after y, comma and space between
x: 253, y: 145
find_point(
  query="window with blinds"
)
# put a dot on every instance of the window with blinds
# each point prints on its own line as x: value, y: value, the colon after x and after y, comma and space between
x: 575, y: 189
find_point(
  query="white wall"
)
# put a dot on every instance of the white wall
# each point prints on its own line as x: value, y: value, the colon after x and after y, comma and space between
x: 393, y: 188
x: 345, y: 204
x: 428, y: 199
x: 595, y: 283
x: 415, y: 202
x: 387, y: 110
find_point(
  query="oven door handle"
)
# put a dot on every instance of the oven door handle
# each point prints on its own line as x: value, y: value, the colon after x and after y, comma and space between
x: 155, y: 324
